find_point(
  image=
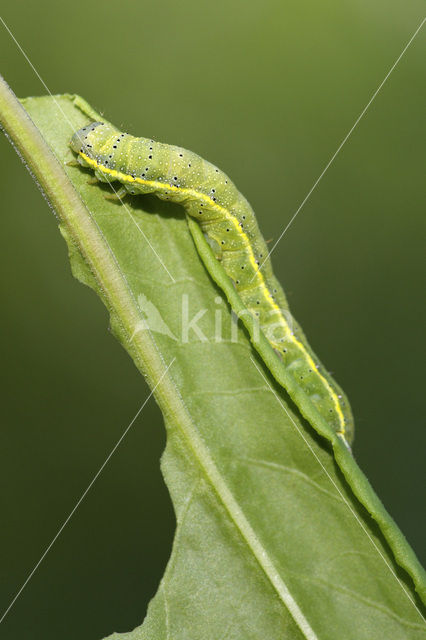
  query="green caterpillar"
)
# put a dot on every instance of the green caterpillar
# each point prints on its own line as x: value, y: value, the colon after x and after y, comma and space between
x: 229, y: 224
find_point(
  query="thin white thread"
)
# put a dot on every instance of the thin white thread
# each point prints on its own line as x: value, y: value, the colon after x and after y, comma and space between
x: 83, y: 495
x: 343, y: 141
x: 337, y: 489
x: 66, y: 119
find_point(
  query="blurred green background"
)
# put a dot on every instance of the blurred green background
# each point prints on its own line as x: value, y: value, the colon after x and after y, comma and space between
x: 267, y: 91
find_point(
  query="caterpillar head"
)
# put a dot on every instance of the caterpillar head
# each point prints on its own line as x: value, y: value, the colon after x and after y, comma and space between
x: 90, y: 138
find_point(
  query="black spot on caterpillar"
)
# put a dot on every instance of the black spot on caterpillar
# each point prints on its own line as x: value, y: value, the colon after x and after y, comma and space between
x: 172, y: 173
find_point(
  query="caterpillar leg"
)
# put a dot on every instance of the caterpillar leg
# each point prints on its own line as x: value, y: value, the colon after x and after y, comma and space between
x: 118, y: 195
x: 93, y: 180
x: 77, y: 162
x: 216, y: 248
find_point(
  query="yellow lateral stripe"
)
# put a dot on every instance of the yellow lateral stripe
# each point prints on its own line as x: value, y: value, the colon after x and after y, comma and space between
x: 123, y: 177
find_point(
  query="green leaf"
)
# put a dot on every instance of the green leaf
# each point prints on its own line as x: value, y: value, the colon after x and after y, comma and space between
x: 271, y: 540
